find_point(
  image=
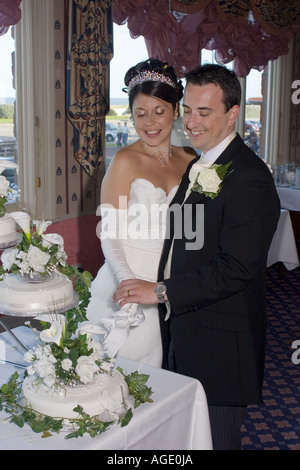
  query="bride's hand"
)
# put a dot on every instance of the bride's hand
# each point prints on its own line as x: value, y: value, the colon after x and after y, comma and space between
x: 135, y: 291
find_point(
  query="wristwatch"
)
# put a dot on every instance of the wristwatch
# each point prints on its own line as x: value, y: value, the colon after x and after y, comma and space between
x: 160, y: 290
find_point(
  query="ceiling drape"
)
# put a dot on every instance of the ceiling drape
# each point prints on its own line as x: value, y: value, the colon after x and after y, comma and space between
x: 89, y: 51
x: 10, y: 14
x: 250, y: 32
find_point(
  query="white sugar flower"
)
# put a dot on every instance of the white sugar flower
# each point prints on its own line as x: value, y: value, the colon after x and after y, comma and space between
x: 52, y: 334
x: 66, y: 364
x: 23, y: 220
x: 29, y: 356
x: 37, y: 259
x: 86, y: 368
x: 52, y: 239
x: 8, y: 258
x: 42, y: 225
x: 44, y: 368
x: 111, y: 407
x: 4, y: 185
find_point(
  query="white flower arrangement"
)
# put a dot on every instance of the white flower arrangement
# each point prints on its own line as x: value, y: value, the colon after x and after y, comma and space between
x: 62, y: 358
x: 69, y: 354
x: 4, y: 185
x: 207, y: 178
x: 36, y: 253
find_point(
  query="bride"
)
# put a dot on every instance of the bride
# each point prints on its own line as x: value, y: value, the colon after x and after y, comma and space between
x: 139, y: 185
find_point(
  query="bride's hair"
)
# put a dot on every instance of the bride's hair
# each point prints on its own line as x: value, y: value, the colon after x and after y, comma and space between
x: 155, y: 78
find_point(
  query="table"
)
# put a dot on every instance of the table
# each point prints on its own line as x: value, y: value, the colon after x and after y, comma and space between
x: 176, y: 420
x: 289, y: 198
x: 283, y: 247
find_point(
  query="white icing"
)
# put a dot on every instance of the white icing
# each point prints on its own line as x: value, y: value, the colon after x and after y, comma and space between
x: 43, y: 400
x: 20, y: 297
x: 7, y: 229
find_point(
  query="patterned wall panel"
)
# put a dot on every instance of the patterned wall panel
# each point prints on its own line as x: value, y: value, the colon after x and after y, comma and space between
x: 76, y: 193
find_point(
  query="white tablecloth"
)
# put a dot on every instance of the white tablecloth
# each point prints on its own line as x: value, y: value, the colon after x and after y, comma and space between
x: 176, y: 420
x: 289, y: 198
x: 283, y: 247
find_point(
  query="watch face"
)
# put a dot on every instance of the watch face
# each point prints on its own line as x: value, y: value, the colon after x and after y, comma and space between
x: 160, y: 289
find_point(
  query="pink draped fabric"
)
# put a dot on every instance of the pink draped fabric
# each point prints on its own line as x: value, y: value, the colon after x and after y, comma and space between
x: 177, y: 37
x: 10, y: 14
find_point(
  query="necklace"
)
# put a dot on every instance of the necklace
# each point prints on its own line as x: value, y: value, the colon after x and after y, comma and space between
x: 162, y: 153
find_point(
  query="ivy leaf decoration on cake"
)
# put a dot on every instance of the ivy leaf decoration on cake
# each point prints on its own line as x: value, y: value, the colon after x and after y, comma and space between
x: 64, y: 350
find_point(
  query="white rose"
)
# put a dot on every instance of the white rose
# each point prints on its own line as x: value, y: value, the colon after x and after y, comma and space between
x: 197, y: 168
x: 209, y: 180
x: 44, y: 368
x: 8, y: 258
x: 4, y: 185
x: 86, y: 368
x: 66, y: 364
x: 37, y: 259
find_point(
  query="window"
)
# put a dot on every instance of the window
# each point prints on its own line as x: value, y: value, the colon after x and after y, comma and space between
x: 8, y: 147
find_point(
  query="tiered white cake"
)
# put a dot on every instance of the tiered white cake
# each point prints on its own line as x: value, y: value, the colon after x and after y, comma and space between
x: 92, y: 397
x: 7, y: 229
x: 21, y: 298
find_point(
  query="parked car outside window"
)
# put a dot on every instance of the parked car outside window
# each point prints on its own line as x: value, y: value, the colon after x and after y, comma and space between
x: 110, y: 132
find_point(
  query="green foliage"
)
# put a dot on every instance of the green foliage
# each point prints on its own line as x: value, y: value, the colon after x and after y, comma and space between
x: 6, y: 111
x: 112, y: 112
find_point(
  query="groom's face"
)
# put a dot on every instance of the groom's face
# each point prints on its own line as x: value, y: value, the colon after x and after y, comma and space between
x: 205, y: 118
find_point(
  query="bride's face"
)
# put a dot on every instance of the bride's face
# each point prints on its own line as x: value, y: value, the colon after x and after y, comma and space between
x: 153, y: 119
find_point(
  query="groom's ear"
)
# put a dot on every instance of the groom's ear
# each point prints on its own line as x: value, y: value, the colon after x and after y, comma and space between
x: 176, y: 112
x: 233, y: 114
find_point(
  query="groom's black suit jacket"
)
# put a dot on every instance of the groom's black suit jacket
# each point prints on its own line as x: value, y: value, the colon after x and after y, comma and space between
x: 217, y: 294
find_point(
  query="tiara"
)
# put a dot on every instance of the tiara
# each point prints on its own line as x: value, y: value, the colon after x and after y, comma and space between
x: 149, y: 76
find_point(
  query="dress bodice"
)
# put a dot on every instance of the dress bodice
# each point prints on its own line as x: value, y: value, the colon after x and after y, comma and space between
x: 147, y: 211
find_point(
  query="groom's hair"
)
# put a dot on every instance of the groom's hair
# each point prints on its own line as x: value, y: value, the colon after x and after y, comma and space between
x: 219, y: 75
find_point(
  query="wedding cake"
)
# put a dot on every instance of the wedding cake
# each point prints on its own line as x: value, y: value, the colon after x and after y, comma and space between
x: 7, y: 230
x: 93, y: 397
x: 21, y: 298
x: 71, y: 384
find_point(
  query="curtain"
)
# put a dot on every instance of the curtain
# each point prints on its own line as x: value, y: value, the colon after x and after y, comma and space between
x: 250, y: 32
x: 89, y: 51
x: 10, y: 14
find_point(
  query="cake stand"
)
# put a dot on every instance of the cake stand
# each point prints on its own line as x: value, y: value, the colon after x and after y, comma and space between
x: 34, y: 313
x: 11, y: 244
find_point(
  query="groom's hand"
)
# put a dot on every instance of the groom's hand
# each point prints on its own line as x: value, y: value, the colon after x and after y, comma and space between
x: 135, y: 291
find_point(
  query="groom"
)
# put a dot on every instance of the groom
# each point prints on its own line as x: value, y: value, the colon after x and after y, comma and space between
x: 212, y: 300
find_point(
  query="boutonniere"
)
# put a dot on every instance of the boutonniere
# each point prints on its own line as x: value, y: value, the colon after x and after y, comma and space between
x: 207, y: 178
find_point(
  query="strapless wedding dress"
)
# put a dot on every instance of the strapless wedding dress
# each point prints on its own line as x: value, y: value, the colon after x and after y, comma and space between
x: 143, y: 253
